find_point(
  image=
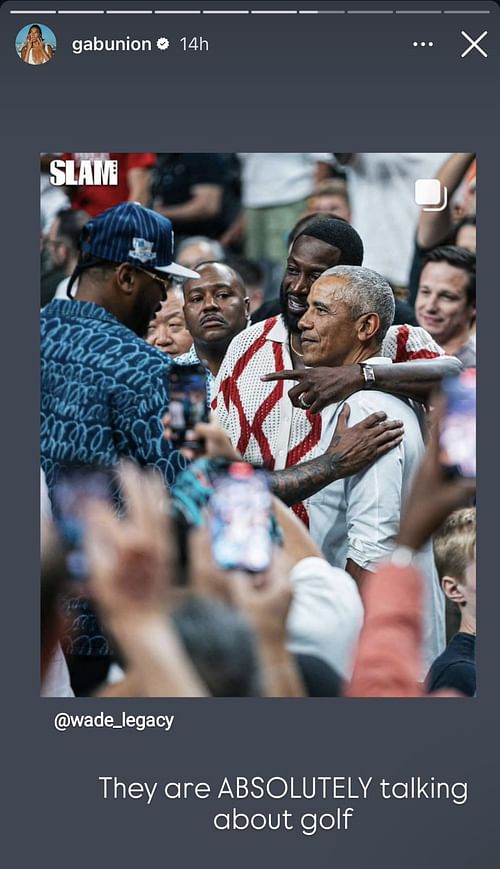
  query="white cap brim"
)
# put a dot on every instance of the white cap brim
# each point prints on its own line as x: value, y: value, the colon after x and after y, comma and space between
x: 177, y: 270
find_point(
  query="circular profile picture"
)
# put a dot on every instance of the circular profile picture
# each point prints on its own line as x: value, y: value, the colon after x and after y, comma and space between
x: 36, y: 44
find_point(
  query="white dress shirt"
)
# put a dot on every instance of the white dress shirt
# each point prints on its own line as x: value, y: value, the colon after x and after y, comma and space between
x: 358, y: 517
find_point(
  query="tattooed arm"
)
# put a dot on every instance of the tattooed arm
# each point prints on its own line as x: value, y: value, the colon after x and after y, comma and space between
x: 350, y: 450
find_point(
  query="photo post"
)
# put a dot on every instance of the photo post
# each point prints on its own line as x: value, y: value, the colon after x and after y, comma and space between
x: 241, y: 486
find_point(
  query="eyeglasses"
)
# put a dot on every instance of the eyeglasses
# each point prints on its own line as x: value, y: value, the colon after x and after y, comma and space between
x: 164, y: 282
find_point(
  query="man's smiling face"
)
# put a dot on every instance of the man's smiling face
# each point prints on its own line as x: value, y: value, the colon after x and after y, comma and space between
x: 328, y: 331
x: 308, y: 259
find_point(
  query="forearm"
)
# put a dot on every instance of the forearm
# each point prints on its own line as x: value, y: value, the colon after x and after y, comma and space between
x: 417, y: 379
x: 280, y: 672
x: 295, y: 484
x: 359, y: 574
x: 297, y: 542
x: 157, y: 663
x: 139, y: 183
x: 199, y: 207
x: 453, y: 171
x: 434, y: 226
x: 182, y: 213
x: 388, y: 659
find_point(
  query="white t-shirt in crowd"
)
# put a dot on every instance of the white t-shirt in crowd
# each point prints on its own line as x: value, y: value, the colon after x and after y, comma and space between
x: 382, y: 195
x: 326, y: 614
x: 278, y: 179
x: 358, y: 517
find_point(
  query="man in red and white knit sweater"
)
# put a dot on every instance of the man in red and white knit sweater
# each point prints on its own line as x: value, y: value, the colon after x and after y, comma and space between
x: 279, y: 429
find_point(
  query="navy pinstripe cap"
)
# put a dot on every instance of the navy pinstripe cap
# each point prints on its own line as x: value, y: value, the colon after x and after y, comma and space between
x: 134, y: 234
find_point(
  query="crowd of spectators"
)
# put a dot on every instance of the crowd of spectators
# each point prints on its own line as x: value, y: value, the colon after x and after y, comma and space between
x: 326, y: 310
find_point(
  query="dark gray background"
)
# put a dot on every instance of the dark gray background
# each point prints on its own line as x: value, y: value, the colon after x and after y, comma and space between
x: 311, y: 83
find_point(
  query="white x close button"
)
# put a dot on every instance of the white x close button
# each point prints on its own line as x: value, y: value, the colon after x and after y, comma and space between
x: 474, y: 43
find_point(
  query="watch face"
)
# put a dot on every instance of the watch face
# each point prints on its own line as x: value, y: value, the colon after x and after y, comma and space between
x: 402, y: 556
x: 369, y: 375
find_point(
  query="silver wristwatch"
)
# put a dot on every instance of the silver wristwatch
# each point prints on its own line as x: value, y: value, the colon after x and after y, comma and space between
x: 368, y: 373
x: 403, y: 556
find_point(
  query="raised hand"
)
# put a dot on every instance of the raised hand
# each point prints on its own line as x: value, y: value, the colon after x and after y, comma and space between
x: 434, y: 495
x: 131, y: 560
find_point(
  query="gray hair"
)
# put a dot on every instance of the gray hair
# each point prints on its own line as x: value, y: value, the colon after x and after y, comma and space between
x: 217, y: 251
x: 365, y: 291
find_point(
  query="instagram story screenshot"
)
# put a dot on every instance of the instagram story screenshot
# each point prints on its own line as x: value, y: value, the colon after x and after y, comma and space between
x: 240, y: 501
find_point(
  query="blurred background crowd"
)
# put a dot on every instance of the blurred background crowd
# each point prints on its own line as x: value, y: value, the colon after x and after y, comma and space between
x: 241, y: 208
x: 353, y: 602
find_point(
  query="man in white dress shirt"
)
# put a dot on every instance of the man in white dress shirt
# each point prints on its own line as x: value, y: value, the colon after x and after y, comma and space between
x: 355, y: 520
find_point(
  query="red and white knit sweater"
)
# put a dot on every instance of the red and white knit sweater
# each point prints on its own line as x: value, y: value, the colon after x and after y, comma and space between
x: 260, y: 418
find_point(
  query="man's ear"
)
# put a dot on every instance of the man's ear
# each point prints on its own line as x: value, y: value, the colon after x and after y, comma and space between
x: 126, y: 278
x: 453, y: 590
x: 368, y: 326
x: 247, y: 307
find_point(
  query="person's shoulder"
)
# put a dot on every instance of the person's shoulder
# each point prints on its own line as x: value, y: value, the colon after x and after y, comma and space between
x: 153, y: 359
x: 52, y: 308
x: 54, y: 314
x: 454, y: 668
x: 460, y: 652
x: 111, y: 345
x: 249, y: 336
x: 406, y: 343
x: 462, y: 646
x: 368, y: 401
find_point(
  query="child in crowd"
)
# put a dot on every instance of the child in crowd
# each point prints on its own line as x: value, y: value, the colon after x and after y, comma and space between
x: 455, y: 555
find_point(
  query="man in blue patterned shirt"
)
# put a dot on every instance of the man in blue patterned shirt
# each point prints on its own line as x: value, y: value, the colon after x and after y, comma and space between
x: 104, y: 390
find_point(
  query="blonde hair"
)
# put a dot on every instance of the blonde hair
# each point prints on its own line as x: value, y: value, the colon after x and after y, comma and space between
x: 455, y: 544
x: 331, y: 187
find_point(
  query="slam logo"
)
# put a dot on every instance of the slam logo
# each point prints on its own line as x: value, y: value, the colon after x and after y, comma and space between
x: 69, y: 173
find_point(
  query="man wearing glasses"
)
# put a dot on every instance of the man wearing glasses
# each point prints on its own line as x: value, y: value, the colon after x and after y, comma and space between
x: 103, y: 388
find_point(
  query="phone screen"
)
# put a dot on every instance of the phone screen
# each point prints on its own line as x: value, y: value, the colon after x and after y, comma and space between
x: 188, y: 406
x: 240, y: 519
x: 458, y: 429
x: 73, y: 489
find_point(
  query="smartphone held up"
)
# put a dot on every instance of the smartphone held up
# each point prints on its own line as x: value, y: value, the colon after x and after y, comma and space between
x: 187, y: 386
x: 458, y: 426
x: 240, y: 519
x: 75, y: 486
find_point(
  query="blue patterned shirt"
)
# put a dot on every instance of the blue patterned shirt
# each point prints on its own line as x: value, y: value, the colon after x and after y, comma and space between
x: 103, y: 393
